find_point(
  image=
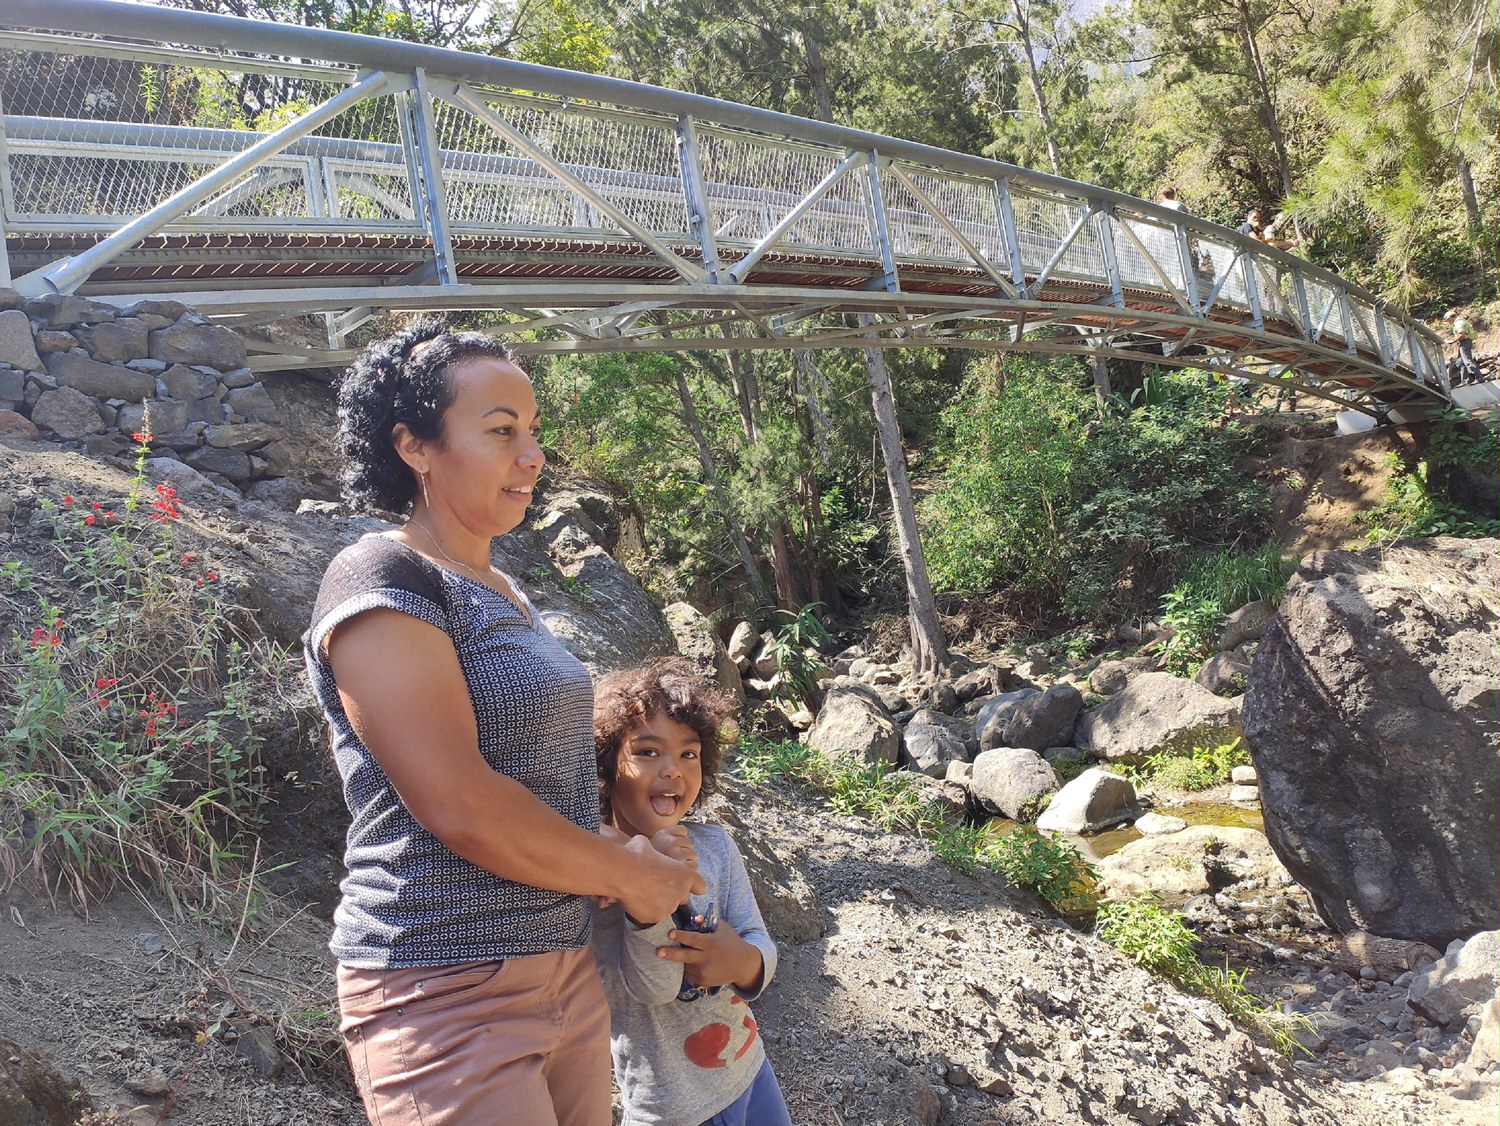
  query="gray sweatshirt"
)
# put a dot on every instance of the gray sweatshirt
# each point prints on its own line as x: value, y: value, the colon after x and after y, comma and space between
x: 679, y: 1063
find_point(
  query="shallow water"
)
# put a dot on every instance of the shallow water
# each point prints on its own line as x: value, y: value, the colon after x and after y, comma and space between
x: 1099, y: 845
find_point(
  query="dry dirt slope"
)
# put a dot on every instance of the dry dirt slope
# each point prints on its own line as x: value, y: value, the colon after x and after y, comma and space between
x: 925, y: 987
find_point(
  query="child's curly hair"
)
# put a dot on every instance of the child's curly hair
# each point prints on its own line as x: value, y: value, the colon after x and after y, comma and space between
x: 671, y: 687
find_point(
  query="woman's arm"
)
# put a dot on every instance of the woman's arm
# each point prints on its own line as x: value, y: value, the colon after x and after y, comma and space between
x: 402, y: 687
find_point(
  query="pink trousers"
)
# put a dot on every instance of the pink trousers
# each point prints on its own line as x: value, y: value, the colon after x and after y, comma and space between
x: 523, y: 1041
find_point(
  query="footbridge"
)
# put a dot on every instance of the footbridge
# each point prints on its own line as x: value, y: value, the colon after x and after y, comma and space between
x: 258, y: 172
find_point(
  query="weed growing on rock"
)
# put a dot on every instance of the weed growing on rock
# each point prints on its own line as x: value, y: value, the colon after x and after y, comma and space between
x: 1418, y: 502
x: 1212, y: 588
x: 1159, y: 940
x: 1201, y: 769
x: 888, y: 797
x: 1047, y: 864
x: 126, y: 743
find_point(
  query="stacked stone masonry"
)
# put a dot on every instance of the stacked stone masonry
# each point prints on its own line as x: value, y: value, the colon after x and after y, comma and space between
x: 78, y: 371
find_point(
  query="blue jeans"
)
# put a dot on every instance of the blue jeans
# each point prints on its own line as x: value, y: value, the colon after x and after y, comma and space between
x: 760, y: 1105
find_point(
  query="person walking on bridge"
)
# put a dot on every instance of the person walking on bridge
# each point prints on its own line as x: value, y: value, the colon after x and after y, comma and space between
x: 1461, y: 332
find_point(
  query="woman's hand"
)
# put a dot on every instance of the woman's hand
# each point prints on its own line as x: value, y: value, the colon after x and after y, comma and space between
x: 718, y: 957
x: 655, y: 884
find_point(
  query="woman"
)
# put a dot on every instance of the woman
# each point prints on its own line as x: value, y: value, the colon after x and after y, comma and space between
x: 464, y: 736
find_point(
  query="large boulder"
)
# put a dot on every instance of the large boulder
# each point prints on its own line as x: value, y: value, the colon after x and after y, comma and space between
x: 1248, y: 623
x: 1199, y: 859
x: 932, y: 740
x: 1091, y: 803
x: 742, y: 645
x: 1111, y: 676
x: 1224, y: 674
x: 1043, y: 720
x: 852, y: 724
x: 1459, y: 983
x: 699, y: 643
x: 995, y: 712
x: 1012, y: 781
x: 1371, y: 716
x: 1154, y: 712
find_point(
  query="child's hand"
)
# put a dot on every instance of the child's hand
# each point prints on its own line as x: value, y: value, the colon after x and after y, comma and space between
x: 673, y: 841
x: 719, y: 957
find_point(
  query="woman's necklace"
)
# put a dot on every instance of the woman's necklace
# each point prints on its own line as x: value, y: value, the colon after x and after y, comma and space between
x: 484, y: 578
x: 480, y: 575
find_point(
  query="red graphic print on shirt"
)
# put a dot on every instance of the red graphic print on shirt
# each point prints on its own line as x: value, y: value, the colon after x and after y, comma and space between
x: 709, y: 1046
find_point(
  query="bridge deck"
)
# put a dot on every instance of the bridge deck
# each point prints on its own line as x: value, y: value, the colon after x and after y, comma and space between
x: 374, y: 174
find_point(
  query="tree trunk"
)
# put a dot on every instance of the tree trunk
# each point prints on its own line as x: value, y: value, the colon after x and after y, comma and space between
x: 1023, y: 27
x: 1471, y: 200
x: 929, y: 652
x: 1101, y: 380
x: 1267, y: 105
x: 711, y: 475
x: 817, y: 76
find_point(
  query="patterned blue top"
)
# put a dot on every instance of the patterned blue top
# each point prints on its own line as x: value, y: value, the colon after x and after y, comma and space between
x: 407, y: 899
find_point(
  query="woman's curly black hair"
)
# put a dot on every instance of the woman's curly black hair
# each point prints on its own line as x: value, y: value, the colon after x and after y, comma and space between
x: 671, y: 687
x: 403, y: 378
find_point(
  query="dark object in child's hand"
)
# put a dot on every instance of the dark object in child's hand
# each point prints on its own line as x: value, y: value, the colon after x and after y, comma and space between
x: 684, y: 920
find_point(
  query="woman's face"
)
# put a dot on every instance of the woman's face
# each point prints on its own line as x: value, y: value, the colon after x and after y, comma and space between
x: 483, y: 468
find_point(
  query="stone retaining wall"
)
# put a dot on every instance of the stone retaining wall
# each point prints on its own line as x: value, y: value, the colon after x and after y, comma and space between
x: 78, y: 371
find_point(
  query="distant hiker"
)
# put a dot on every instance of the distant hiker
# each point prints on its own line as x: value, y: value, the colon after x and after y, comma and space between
x: 463, y: 734
x: 1253, y: 226
x: 686, y: 1047
x: 1168, y: 198
x: 1461, y: 332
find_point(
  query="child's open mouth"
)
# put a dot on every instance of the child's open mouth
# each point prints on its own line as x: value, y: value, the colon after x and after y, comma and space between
x: 664, y: 805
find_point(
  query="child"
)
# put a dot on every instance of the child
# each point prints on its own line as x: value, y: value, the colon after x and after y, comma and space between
x: 685, y: 1046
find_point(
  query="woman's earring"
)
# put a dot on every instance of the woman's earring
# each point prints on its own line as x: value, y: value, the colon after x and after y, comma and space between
x: 426, y: 500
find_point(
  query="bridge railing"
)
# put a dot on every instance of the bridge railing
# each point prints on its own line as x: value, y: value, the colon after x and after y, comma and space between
x: 116, y: 138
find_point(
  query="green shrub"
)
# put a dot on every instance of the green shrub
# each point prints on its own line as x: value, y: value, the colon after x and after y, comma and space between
x: 1417, y: 500
x: 1047, y: 864
x: 128, y: 746
x: 1159, y: 940
x: 1201, y: 769
x: 889, y: 797
x: 1083, y: 513
x: 1211, y: 589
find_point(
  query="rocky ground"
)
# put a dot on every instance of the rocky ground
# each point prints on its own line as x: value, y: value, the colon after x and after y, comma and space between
x: 908, y: 992
x: 916, y: 995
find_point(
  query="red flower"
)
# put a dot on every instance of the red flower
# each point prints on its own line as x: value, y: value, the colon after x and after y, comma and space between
x: 151, y: 727
x: 88, y: 519
x: 141, y: 437
x: 109, y: 515
x: 211, y: 576
x: 54, y: 640
x: 96, y: 506
x: 103, y: 703
x: 38, y: 634
x: 189, y: 557
x: 67, y: 500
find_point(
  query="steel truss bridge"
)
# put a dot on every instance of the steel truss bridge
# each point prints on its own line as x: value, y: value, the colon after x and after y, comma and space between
x: 258, y: 172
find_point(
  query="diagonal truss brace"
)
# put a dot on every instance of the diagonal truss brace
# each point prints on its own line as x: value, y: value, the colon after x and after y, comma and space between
x: 67, y: 275
x: 790, y: 219
x: 464, y: 97
x: 1005, y: 285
